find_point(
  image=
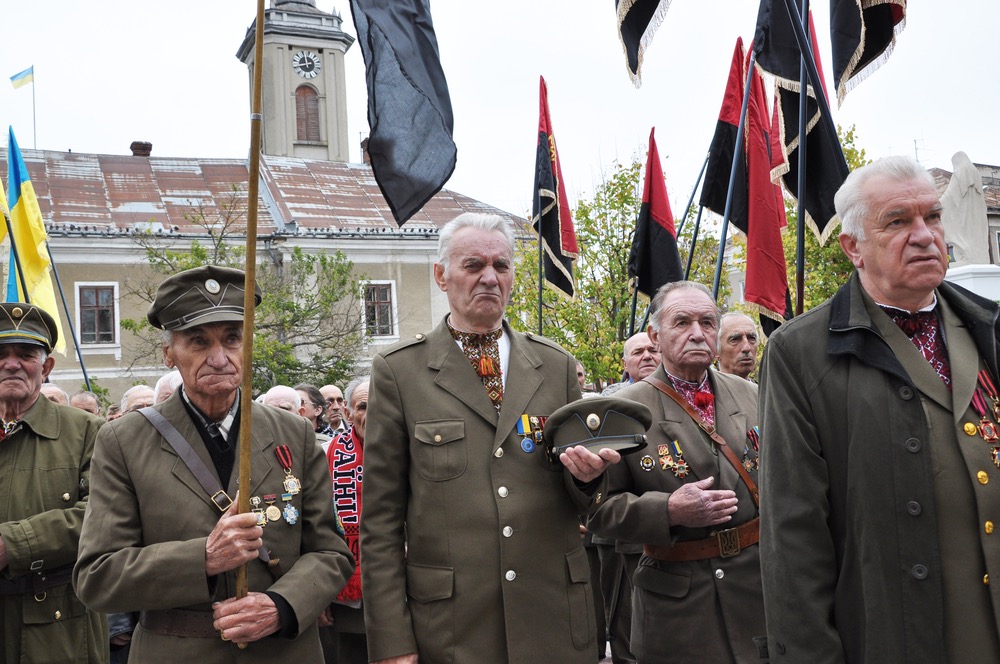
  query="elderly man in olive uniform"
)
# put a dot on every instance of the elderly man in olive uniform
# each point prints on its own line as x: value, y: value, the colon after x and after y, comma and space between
x: 161, y: 535
x: 45, y: 452
x: 470, y: 541
x: 690, y: 497
x: 880, y: 479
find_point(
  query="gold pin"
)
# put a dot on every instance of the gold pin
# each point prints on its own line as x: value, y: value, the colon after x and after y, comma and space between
x: 970, y: 429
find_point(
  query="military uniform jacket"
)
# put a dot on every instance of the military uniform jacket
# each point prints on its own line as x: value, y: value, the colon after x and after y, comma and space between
x: 144, y: 535
x: 850, y: 529
x: 44, y: 487
x: 705, y: 610
x: 471, y: 545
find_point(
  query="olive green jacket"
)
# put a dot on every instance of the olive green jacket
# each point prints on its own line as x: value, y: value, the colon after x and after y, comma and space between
x: 44, y: 488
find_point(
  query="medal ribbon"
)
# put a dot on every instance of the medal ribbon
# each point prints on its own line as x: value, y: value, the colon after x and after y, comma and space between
x: 284, y: 455
x: 979, y: 403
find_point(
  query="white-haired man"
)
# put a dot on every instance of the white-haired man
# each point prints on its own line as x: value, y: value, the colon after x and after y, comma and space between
x: 470, y: 531
x: 879, y: 482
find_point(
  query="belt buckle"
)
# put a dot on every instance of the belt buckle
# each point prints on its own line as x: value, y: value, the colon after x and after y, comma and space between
x: 729, y: 542
x: 222, y: 500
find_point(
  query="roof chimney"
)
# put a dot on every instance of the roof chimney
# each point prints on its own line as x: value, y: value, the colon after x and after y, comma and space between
x: 141, y: 148
x: 365, y: 157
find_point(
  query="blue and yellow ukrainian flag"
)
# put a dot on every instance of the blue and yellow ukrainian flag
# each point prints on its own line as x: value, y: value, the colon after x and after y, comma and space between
x: 23, y: 77
x: 28, y: 231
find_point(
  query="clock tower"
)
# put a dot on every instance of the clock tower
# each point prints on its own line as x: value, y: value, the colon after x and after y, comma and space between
x: 303, y: 94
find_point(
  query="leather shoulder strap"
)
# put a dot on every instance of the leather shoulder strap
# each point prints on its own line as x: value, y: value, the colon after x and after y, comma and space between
x: 712, y: 433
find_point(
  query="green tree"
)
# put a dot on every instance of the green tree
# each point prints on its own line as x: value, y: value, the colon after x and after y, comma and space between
x: 594, y: 325
x: 308, y: 326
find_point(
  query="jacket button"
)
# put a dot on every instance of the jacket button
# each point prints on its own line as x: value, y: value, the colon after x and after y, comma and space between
x: 437, y: 438
x: 510, y: 575
x: 498, y: 453
x: 913, y: 507
x: 986, y: 579
x: 58, y: 615
x: 507, y: 531
x: 988, y: 527
x: 912, y: 445
x: 983, y: 477
x: 502, y: 491
x: 719, y: 573
x: 906, y: 392
x: 65, y: 497
x: 919, y: 572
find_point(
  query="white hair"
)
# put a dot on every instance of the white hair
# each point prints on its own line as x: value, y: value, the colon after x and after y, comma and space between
x: 853, y: 207
x: 485, y: 222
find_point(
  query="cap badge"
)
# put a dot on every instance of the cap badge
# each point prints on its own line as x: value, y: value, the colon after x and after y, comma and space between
x: 593, y: 421
x: 16, y: 312
x: 212, y: 286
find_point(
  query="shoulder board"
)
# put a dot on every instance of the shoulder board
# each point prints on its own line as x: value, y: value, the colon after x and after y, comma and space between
x: 404, y: 343
x: 544, y: 341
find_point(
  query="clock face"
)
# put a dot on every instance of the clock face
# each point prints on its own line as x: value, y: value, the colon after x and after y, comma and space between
x: 306, y: 64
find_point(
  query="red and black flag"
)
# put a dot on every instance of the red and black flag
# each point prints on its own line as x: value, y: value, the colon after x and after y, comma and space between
x: 551, y: 218
x: 720, y: 158
x: 826, y: 167
x: 766, y: 276
x: 409, y: 110
x: 862, y: 35
x: 654, y: 260
x: 638, y: 21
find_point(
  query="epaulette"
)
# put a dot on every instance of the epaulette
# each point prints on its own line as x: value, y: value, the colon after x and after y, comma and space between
x: 545, y: 341
x: 404, y: 343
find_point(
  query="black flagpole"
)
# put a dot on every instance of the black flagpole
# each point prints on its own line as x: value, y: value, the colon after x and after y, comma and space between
x: 17, y: 259
x: 69, y: 318
x: 800, y: 221
x: 732, y: 176
x: 541, y: 265
x: 694, y: 242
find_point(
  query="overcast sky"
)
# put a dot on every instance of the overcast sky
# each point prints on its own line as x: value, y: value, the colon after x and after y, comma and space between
x: 114, y: 71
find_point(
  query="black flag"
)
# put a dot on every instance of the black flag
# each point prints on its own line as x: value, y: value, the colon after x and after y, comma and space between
x: 654, y: 260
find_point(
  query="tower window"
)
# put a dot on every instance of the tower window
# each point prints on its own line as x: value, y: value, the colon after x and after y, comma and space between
x: 306, y: 114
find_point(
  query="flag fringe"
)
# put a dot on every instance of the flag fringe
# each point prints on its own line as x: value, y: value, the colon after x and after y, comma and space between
x: 647, y: 35
x: 851, y: 78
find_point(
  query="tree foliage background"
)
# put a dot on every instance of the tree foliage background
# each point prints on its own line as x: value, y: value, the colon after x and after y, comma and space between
x: 594, y: 325
x: 308, y: 326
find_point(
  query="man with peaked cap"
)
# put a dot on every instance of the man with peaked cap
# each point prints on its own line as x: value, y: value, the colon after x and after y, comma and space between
x: 162, y: 536
x: 45, y: 452
x: 470, y: 540
x: 690, y: 497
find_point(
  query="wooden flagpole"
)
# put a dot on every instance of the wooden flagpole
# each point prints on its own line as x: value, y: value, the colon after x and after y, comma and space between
x: 250, y: 280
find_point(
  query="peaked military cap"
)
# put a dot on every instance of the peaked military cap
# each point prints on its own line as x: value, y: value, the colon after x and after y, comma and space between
x: 201, y: 295
x: 22, y: 323
x: 599, y: 422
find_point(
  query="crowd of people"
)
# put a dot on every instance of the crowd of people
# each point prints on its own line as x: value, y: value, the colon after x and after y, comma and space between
x: 468, y: 501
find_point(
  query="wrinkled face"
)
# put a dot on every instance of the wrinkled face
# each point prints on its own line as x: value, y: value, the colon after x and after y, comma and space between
x: 641, y: 356
x: 334, y: 403
x: 210, y: 359
x: 688, y: 333
x: 738, y: 346
x: 478, y: 280
x: 903, y: 257
x: 22, y: 372
x: 85, y: 402
x: 359, y: 409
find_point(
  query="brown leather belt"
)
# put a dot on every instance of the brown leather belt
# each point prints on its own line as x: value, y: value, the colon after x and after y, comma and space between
x: 37, y: 583
x: 725, y: 544
x: 179, y: 622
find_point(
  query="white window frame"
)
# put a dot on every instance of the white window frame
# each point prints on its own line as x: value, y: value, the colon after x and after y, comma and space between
x: 115, y: 346
x: 382, y: 338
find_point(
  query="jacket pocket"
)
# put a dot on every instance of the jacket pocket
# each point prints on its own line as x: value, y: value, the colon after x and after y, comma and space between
x: 582, y: 621
x: 650, y: 577
x: 432, y: 610
x: 55, y: 629
x: 441, y: 451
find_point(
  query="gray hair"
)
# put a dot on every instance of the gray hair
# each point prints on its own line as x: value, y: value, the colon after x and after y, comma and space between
x: 485, y: 222
x: 729, y: 315
x: 283, y: 390
x: 353, y: 385
x: 132, y: 390
x: 661, y: 295
x: 171, y: 379
x: 853, y: 207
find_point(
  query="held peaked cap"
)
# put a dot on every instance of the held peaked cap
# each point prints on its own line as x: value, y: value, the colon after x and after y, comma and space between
x: 612, y: 422
x: 22, y: 323
x: 208, y: 294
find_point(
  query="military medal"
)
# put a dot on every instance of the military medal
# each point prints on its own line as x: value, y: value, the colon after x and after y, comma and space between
x: 531, y: 427
x: 291, y: 483
x: 991, y: 391
x: 647, y: 463
x: 273, y: 512
x: 666, y: 461
x: 680, y: 466
x: 291, y: 514
x: 261, y: 516
x: 987, y: 429
x: 752, y: 461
